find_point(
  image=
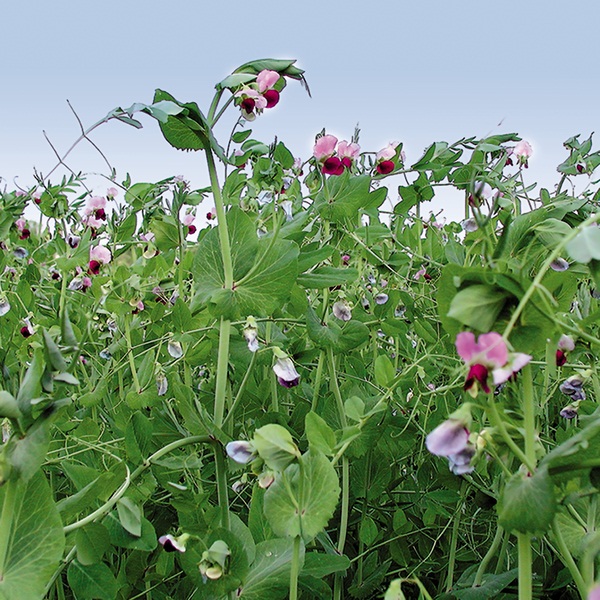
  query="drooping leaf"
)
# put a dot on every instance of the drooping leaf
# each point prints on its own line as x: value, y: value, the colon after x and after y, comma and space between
x: 36, y: 541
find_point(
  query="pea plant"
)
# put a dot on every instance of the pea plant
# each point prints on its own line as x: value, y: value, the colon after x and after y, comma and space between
x: 321, y: 390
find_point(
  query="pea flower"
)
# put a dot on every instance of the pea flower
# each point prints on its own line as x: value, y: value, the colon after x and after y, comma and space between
x: 333, y: 163
x: 21, y: 225
x: 449, y: 438
x: 594, y: 593
x: 213, y: 561
x: 94, y: 212
x: 188, y: 221
x: 573, y: 387
x: 251, y: 334
x: 348, y: 152
x: 487, y: 356
x: 241, y: 452
x: 250, y: 102
x: 559, y: 264
x: 111, y: 193
x: 174, y: 544
x: 266, y: 80
x: 99, y: 255
x: 287, y: 376
x: 523, y: 152
x: 570, y: 411
x: 342, y: 310
x: 565, y: 344
x: 384, y: 159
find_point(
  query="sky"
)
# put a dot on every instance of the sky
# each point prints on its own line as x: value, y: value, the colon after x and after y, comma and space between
x: 415, y: 72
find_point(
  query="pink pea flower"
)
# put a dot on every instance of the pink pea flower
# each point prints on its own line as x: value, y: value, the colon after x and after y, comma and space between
x: 348, y: 152
x: 594, y: 593
x: 21, y: 225
x: 188, y: 221
x: 265, y: 81
x: 487, y: 356
x: 99, y: 255
x: 111, y: 193
x: 565, y: 344
x: 94, y: 213
x: 325, y: 147
x: 523, y: 152
x: 384, y: 159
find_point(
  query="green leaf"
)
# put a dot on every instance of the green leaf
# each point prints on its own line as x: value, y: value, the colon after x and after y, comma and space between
x: 491, y: 586
x: 130, y: 516
x: 586, y: 245
x: 166, y: 233
x: 384, y: 370
x: 318, y: 564
x: 342, y: 338
x: 27, y: 453
x: 92, y: 542
x: 264, y: 270
x: 36, y: 541
x: 344, y: 197
x: 31, y: 386
x: 123, y: 539
x: 9, y: 407
x: 269, y: 575
x: 477, y: 306
x: 275, y: 446
x: 295, y: 507
x: 318, y: 433
x: 326, y: 277
x: 92, y: 582
x: 527, y: 503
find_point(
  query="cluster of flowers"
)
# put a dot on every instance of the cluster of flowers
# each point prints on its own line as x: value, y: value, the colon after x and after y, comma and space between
x: 486, y: 358
x: 254, y: 98
x: 335, y: 157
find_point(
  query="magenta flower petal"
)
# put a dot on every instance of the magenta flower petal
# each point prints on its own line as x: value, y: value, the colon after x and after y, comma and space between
x: 333, y: 166
x: 385, y: 167
x: 477, y: 373
x: 272, y: 98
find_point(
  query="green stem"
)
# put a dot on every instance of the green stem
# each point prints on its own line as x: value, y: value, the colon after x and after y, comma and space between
x: 525, y: 570
x: 241, y: 389
x: 107, y: 506
x: 295, y: 568
x: 485, y: 561
x: 567, y: 560
x: 134, y: 375
x: 317, y: 383
x: 222, y: 495
x: 529, y: 415
x: 454, y: 539
x: 337, y: 592
x: 496, y: 421
x: 222, y: 368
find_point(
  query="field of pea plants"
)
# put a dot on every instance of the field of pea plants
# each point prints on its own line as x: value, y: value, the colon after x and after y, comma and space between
x: 315, y: 388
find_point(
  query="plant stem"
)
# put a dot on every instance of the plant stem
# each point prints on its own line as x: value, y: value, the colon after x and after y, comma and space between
x: 485, y: 561
x: 295, y: 568
x: 496, y: 420
x: 134, y: 375
x: 317, y: 383
x: 525, y: 571
x: 567, y: 560
x: 529, y: 415
x: 454, y: 539
x: 345, y: 473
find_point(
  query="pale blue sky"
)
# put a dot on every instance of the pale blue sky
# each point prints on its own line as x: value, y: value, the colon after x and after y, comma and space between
x: 416, y: 72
